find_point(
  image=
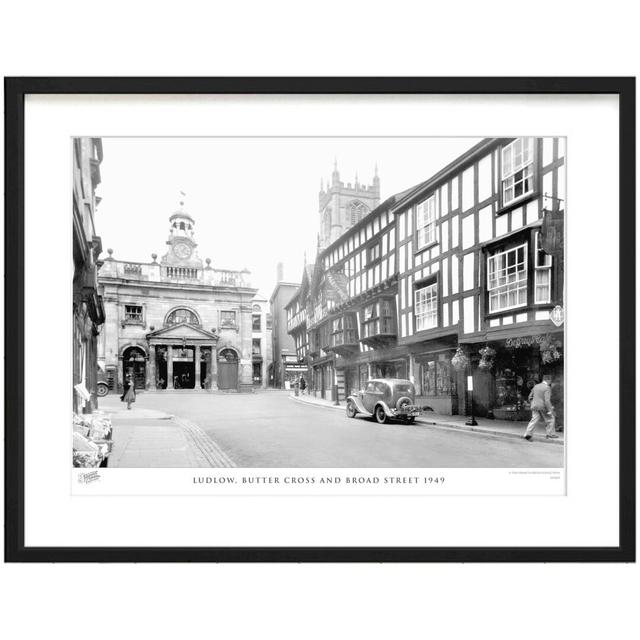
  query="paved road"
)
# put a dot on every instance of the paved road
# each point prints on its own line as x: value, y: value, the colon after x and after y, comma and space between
x: 268, y: 429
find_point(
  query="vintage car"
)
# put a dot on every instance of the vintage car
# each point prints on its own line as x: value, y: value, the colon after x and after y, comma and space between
x: 102, y: 386
x: 384, y: 398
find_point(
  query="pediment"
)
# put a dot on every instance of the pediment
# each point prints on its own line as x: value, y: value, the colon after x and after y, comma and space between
x: 183, y: 330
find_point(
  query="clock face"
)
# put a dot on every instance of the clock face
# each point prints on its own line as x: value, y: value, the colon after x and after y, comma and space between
x: 182, y: 250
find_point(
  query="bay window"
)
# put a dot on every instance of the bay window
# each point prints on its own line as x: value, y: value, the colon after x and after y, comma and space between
x: 377, y: 319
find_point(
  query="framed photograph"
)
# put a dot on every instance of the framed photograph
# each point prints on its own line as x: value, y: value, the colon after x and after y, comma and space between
x: 320, y: 319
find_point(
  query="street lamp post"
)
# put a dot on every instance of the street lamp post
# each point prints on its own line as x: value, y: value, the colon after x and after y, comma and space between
x: 472, y: 421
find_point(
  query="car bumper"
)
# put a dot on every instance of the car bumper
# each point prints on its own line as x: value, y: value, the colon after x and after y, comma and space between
x: 408, y: 412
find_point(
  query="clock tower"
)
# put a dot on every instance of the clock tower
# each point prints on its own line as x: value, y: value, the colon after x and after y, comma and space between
x: 182, y: 245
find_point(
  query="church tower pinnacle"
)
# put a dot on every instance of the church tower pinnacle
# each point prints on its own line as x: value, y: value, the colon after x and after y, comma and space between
x: 343, y: 205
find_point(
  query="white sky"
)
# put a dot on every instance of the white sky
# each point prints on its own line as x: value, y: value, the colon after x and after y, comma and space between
x: 254, y: 200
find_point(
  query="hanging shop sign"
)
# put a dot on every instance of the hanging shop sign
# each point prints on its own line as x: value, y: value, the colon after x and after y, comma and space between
x: 557, y: 315
x: 553, y: 233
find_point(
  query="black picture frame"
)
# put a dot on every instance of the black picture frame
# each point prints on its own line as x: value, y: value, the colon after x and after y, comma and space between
x: 15, y: 91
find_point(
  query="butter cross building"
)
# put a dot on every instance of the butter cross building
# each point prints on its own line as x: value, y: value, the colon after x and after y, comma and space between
x: 176, y: 323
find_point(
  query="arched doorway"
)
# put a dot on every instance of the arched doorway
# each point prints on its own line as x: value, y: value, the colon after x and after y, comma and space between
x: 227, y: 369
x: 134, y: 364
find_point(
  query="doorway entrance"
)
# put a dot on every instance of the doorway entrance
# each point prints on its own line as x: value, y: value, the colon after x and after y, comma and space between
x: 228, y: 369
x: 184, y: 375
x: 134, y: 364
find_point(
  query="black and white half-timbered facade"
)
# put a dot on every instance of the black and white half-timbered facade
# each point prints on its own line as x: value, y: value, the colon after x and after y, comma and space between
x: 469, y: 262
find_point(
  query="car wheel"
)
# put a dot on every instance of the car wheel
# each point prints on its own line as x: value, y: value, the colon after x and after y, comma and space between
x: 351, y: 409
x: 411, y: 420
x: 103, y: 390
x: 381, y: 416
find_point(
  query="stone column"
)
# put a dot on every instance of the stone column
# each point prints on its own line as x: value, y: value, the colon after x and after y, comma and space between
x: 197, y: 367
x: 214, y: 368
x: 169, y: 367
x: 151, y: 368
x: 119, y: 375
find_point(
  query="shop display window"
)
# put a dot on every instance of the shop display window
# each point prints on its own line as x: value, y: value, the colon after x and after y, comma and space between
x: 437, y: 379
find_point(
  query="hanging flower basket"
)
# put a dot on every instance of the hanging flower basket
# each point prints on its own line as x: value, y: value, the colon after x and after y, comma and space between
x: 487, y: 354
x: 550, y: 350
x: 459, y: 361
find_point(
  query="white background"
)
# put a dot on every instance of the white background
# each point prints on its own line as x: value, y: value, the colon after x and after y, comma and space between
x: 318, y: 601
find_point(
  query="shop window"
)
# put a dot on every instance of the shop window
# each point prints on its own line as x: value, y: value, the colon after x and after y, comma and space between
x: 257, y: 322
x: 542, y: 273
x: 426, y: 307
x: 228, y: 318
x: 426, y: 222
x: 180, y: 316
x: 437, y: 378
x: 517, y: 170
x: 507, y: 279
x: 132, y: 313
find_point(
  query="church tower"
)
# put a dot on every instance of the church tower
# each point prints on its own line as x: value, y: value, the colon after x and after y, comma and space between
x: 343, y: 205
x: 181, y: 241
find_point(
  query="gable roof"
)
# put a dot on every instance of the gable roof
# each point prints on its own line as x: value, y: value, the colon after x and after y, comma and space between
x: 183, y: 330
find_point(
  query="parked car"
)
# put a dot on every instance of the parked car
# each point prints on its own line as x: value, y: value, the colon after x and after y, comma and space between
x: 103, y: 385
x: 384, y: 399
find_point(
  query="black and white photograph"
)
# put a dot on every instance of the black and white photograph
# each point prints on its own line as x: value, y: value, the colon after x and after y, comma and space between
x: 319, y: 302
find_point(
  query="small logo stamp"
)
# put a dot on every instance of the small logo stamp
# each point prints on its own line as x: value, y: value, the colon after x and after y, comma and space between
x: 88, y: 477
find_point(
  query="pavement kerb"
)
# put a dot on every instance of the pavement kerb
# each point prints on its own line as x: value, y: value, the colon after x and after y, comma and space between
x: 339, y: 407
x: 446, y: 425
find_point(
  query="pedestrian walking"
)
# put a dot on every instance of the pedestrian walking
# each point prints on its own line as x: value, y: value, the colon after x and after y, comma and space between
x: 129, y: 392
x: 541, y: 409
x: 303, y: 385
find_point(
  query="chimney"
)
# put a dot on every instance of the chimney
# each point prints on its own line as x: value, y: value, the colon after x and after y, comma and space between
x: 280, y: 272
